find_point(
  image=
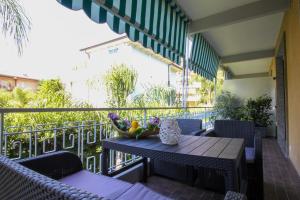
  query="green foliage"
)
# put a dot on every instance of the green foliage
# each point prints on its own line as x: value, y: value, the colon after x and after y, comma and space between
x: 229, y: 106
x: 21, y: 98
x: 49, y: 94
x: 156, y: 96
x: 14, y: 22
x: 52, y: 94
x: 5, y: 97
x: 258, y: 110
x: 18, y: 98
x: 120, y: 82
x: 162, y: 96
x: 207, y: 87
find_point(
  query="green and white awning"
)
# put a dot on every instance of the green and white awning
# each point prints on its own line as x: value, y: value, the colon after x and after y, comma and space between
x: 203, y: 60
x: 156, y: 24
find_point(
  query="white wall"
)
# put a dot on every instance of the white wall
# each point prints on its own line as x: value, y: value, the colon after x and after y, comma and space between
x: 253, y: 88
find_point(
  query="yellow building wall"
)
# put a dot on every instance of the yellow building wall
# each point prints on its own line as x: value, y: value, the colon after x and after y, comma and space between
x: 291, y: 27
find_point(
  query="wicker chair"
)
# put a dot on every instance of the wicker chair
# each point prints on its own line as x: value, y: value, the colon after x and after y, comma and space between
x: 191, y: 126
x: 253, y: 148
x: 174, y: 171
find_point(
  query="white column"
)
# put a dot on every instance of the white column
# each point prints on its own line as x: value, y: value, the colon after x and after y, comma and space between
x: 186, y: 71
x: 183, y: 84
x: 215, y: 89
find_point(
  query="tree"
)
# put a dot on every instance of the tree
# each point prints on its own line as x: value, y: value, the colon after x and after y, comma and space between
x: 156, y: 96
x: 5, y: 97
x: 20, y: 97
x: 207, y: 87
x: 120, y: 82
x: 51, y: 93
x: 14, y: 22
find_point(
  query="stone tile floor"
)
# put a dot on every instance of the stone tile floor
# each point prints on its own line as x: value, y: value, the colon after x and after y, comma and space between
x: 281, y: 181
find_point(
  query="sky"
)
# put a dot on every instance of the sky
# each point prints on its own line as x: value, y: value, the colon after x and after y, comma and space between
x: 56, y: 36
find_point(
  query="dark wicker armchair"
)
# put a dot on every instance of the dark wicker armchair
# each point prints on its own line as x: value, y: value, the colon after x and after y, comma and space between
x: 179, y: 172
x: 253, y: 147
x: 191, y: 126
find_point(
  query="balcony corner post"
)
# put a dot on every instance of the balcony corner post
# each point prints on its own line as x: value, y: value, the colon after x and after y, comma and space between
x: 1, y: 132
x: 205, y: 120
x: 145, y: 117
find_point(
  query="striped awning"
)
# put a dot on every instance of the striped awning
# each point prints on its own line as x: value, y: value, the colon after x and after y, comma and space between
x: 203, y: 59
x: 156, y: 24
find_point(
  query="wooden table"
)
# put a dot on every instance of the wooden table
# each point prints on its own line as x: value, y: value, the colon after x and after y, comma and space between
x: 224, y: 154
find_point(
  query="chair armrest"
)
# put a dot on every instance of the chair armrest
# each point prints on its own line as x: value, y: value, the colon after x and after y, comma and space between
x: 54, y: 165
x: 198, y: 132
x: 209, y: 133
x: 234, y: 196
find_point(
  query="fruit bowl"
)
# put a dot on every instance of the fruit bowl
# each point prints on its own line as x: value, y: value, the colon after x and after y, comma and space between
x: 145, y: 133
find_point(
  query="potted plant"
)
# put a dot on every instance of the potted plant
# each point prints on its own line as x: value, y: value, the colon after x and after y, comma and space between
x: 259, y: 111
x: 228, y: 106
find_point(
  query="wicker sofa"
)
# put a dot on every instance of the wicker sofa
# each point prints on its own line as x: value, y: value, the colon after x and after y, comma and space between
x: 179, y: 172
x: 59, y: 176
x: 253, y: 150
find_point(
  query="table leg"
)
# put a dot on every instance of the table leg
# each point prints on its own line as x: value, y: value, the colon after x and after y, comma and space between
x: 151, y: 170
x: 145, y: 170
x: 243, y: 174
x: 190, y: 175
x: 104, y: 161
x: 231, y: 180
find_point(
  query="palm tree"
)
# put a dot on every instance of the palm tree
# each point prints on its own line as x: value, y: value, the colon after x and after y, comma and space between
x: 14, y: 22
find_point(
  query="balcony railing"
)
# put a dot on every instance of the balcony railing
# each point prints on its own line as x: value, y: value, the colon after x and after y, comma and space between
x: 82, y: 137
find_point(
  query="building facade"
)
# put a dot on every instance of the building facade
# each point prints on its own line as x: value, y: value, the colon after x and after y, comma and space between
x: 10, y: 82
x: 87, y: 82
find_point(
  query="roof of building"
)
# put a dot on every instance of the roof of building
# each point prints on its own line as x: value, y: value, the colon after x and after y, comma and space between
x: 24, y: 76
x: 104, y: 43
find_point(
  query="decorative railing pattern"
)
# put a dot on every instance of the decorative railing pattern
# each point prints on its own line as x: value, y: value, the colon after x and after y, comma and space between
x: 81, y: 137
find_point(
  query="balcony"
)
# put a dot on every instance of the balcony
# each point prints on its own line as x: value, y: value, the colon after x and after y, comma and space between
x: 84, y: 139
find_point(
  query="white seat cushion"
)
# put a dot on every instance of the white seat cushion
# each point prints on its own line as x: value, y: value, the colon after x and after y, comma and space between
x: 103, y: 186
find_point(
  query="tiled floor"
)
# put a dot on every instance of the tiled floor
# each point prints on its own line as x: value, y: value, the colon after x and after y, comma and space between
x: 281, y: 180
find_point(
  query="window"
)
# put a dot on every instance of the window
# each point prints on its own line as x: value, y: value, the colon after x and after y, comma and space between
x: 112, y: 51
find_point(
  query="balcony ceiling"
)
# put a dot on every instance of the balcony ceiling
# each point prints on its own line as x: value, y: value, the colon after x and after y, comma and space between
x: 256, y: 66
x: 249, y: 36
x: 243, y: 32
x: 197, y: 9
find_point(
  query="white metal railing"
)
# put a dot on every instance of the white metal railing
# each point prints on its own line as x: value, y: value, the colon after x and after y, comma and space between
x: 81, y: 137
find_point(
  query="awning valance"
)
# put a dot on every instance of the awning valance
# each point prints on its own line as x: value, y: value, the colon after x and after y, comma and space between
x: 156, y: 24
x: 203, y: 59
